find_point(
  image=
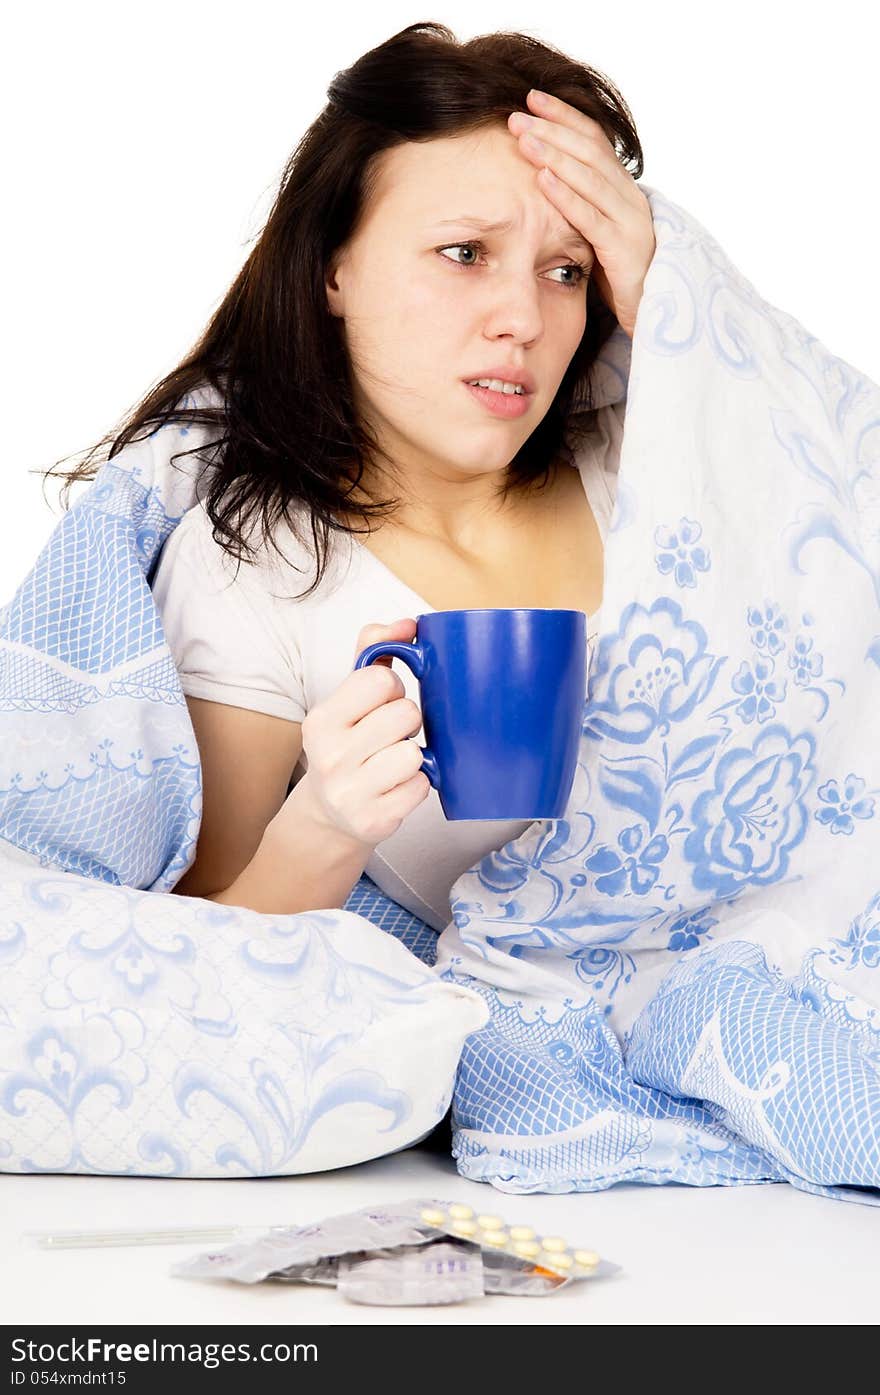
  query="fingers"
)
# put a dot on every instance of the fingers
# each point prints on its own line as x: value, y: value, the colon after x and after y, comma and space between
x: 385, y: 727
x: 364, y: 689
x: 548, y: 111
x: 400, y: 630
x: 570, y: 133
x: 587, y: 175
x: 583, y: 201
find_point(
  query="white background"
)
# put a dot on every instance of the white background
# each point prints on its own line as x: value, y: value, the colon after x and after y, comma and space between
x: 144, y: 144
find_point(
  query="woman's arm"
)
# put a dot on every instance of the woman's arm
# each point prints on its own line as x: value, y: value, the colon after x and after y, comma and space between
x: 247, y: 760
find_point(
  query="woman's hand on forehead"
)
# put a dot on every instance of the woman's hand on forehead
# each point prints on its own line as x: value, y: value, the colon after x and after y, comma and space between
x: 581, y: 175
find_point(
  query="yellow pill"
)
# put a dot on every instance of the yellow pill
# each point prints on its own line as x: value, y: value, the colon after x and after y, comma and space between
x: 460, y: 1212
x: 556, y: 1261
x: 490, y: 1222
x: 464, y: 1227
x: 432, y: 1216
x: 587, y: 1258
x: 521, y: 1232
x: 495, y: 1237
x: 529, y: 1248
x: 554, y: 1242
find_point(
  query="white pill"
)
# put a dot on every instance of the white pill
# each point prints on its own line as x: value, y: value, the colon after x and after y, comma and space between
x: 529, y: 1248
x: 554, y: 1242
x: 490, y: 1222
x: 460, y: 1212
x: 432, y: 1216
x: 495, y: 1237
x: 521, y: 1232
x: 556, y: 1261
x: 464, y: 1227
x: 587, y: 1258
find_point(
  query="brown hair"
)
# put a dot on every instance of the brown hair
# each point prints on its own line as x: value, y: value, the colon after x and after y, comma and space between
x: 274, y: 353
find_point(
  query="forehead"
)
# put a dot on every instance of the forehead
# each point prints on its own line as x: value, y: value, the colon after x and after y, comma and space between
x: 479, y: 180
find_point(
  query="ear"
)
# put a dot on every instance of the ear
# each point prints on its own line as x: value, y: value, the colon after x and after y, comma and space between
x: 333, y: 288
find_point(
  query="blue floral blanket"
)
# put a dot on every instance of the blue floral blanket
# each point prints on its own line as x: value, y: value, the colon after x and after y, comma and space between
x: 679, y: 981
x: 684, y: 971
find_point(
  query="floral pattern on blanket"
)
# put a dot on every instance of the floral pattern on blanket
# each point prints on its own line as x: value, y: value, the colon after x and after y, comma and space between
x: 721, y: 842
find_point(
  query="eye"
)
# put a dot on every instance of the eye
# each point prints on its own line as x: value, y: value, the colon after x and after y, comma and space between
x: 583, y: 271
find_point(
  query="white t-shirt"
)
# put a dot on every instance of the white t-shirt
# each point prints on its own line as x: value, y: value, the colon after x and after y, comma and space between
x: 236, y: 642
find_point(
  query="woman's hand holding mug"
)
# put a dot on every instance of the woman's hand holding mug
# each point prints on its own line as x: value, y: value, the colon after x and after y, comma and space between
x: 364, y: 774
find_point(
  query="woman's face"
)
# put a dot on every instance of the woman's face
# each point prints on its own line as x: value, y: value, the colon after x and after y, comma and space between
x: 422, y: 315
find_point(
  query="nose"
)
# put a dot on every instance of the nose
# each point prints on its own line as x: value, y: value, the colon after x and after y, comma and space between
x: 515, y: 307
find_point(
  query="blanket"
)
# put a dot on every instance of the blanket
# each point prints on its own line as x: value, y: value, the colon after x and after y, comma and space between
x: 146, y: 1033
x: 684, y: 971
x: 678, y: 981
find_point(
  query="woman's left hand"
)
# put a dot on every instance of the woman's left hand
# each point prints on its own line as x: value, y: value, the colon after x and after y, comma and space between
x: 595, y: 194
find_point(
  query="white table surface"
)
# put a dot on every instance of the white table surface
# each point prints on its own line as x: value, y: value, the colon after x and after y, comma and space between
x: 690, y: 1255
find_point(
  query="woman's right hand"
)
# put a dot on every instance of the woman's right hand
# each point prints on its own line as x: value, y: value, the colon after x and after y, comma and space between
x: 364, y: 775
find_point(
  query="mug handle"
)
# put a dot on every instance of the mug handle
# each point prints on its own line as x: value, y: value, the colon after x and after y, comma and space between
x: 413, y: 656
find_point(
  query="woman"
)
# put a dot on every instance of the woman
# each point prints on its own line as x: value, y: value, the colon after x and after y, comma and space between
x: 344, y: 361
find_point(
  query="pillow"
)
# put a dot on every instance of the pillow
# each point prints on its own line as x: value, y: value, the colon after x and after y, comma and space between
x: 148, y: 1034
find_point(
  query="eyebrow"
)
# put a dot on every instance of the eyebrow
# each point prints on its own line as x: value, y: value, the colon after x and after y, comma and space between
x: 568, y: 239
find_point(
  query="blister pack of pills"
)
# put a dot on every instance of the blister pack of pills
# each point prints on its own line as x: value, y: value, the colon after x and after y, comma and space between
x: 414, y: 1252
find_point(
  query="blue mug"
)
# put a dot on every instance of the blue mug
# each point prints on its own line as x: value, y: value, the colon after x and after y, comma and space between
x: 502, y: 695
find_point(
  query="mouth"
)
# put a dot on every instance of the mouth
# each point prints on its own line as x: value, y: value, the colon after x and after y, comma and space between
x: 507, y: 405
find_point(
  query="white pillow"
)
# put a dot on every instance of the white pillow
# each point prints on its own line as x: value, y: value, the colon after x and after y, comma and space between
x: 151, y: 1034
